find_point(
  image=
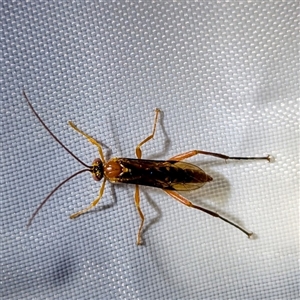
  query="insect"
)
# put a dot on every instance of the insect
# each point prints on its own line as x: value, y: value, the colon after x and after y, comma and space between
x: 170, y: 175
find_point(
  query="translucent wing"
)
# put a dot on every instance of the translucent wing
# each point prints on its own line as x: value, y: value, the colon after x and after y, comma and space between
x: 169, y: 175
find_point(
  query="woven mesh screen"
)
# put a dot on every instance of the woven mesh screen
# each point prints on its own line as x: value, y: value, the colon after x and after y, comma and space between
x: 226, y: 77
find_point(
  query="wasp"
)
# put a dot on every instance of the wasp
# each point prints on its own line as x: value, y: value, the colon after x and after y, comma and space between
x: 170, y: 175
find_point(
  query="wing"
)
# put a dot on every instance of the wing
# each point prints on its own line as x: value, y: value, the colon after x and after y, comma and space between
x: 170, y: 175
x: 189, y: 177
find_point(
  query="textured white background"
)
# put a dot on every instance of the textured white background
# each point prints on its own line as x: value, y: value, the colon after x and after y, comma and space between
x: 225, y: 75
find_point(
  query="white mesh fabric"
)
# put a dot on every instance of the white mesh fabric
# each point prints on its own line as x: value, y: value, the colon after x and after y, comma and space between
x: 225, y: 75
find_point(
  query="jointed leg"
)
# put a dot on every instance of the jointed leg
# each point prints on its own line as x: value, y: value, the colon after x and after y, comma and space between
x: 93, y: 204
x: 191, y: 153
x: 137, y: 204
x: 186, y: 202
x: 138, y: 150
x: 89, y: 138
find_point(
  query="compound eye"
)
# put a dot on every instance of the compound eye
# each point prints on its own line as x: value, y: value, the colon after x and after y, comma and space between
x: 96, y: 162
x: 95, y: 177
x: 97, y: 172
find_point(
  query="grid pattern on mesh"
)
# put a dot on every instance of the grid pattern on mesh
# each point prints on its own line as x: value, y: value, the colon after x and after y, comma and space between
x: 225, y: 76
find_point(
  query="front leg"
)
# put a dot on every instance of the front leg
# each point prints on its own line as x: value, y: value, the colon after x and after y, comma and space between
x: 89, y: 138
x: 92, y: 205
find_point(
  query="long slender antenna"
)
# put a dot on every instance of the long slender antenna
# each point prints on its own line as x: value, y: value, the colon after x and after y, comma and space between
x: 52, y: 134
x: 52, y: 192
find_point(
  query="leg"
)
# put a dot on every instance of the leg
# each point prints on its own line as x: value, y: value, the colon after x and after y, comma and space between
x: 137, y: 204
x: 93, y: 204
x: 186, y: 202
x: 138, y: 150
x: 89, y: 138
x: 188, y: 154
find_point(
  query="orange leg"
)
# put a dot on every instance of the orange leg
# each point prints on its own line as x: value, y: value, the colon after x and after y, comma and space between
x: 89, y: 138
x: 191, y: 153
x: 92, y: 205
x: 186, y: 202
x: 137, y: 204
x: 138, y: 150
